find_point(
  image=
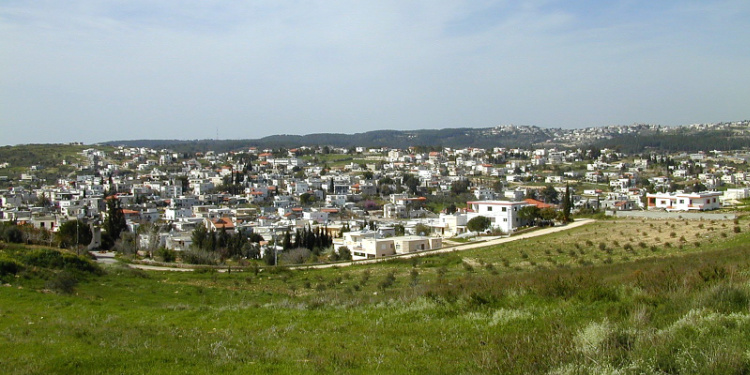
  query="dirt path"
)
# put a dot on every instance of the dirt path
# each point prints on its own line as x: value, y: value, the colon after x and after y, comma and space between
x: 162, y: 268
x: 461, y: 247
x: 458, y: 247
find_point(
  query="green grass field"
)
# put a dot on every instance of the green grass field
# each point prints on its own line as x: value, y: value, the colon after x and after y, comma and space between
x: 649, y: 309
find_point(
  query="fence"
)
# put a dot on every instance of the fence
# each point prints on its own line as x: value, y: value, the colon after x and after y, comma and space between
x: 672, y: 215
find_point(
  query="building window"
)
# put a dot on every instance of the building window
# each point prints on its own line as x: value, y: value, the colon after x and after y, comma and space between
x: 505, y: 209
x: 489, y: 208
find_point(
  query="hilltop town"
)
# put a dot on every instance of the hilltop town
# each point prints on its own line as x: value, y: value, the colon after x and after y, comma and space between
x: 353, y: 202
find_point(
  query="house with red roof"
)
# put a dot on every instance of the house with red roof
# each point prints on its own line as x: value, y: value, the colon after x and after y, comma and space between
x: 222, y: 223
x: 538, y: 204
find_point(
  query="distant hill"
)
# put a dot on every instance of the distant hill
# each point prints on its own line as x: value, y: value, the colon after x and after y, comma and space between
x: 629, y: 138
x: 455, y: 137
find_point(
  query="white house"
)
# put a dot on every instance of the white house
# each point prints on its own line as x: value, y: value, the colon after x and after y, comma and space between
x: 450, y: 225
x: 317, y: 216
x: 177, y: 213
x: 502, y: 214
x: 702, y: 201
x: 731, y: 196
x: 337, y: 200
x: 373, y: 248
x: 369, y: 248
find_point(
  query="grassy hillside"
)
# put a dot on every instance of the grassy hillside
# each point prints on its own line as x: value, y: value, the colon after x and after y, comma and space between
x: 652, y: 309
x: 46, y: 157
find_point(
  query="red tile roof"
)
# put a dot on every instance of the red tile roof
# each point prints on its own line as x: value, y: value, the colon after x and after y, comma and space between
x: 537, y: 203
x: 223, y: 223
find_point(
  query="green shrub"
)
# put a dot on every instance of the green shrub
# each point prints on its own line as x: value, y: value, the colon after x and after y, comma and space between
x: 365, y: 277
x: 49, y: 258
x: 199, y: 257
x: 9, y: 266
x: 387, y: 281
x: 80, y: 263
x: 166, y: 255
x: 11, y: 233
x: 728, y: 299
x: 63, y: 282
x: 414, y: 274
x: 45, y: 258
x: 468, y: 267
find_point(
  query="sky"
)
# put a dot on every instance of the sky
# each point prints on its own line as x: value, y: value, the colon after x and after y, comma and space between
x: 94, y: 71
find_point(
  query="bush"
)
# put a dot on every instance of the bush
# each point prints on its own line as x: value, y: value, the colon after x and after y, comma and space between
x: 166, y: 255
x: 414, y: 274
x: 48, y: 258
x: 387, y: 281
x: 344, y: 253
x: 728, y: 299
x: 11, y: 233
x: 468, y: 267
x: 365, y: 277
x: 63, y: 283
x: 478, y: 224
x: 45, y: 258
x: 199, y: 257
x: 295, y: 256
x: 9, y: 266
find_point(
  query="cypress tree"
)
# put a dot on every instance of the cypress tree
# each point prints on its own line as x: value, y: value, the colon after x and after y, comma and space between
x: 287, y: 241
x: 567, y: 203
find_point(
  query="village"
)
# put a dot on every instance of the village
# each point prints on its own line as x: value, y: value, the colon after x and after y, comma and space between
x: 363, y: 202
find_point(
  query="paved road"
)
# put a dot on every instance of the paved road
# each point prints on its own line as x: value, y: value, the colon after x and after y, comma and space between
x: 107, y: 257
x: 461, y: 247
x: 162, y: 268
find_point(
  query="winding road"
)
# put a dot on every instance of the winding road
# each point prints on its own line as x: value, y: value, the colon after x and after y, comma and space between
x: 108, y: 258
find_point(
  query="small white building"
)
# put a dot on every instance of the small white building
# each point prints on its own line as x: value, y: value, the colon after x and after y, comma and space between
x: 369, y: 248
x: 316, y: 216
x: 736, y: 194
x: 449, y: 225
x: 702, y: 201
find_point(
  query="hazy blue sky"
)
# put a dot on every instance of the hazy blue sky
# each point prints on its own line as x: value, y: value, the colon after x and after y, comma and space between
x: 109, y: 70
